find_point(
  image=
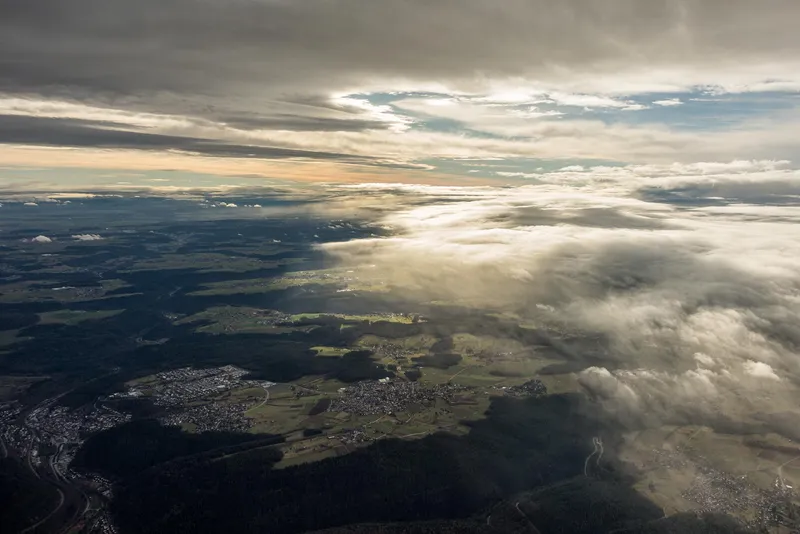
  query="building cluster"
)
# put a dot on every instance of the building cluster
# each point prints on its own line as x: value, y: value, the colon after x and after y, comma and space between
x: 232, y: 316
x: 670, y: 458
x: 12, y: 435
x: 531, y: 388
x: 720, y: 492
x: 393, y: 351
x: 60, y: 425
x: 56, y: 427
x: 51, y: 434
x: 213, y: 417
x: 716, y: 491
x: 352, y: 437
x: 389, y: 396
x: 103, y: 524
x: 9, y: 412
x: 178, y: 388
x: 85, y: 293
x: 272, y: 318
x: 181, y: 386
x: 16, y: 436
x: 99, y: 483
x: 309, y: 390
x: 62, y: 429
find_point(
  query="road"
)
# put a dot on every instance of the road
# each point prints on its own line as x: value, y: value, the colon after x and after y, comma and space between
x: 266, y: 399
x: 72, y: 503
x: 780, y: 472
x: 48, y: 516
x: 28, y: 454
x: 458, y: 373
x: 598, y: 449
x: 528, y: 521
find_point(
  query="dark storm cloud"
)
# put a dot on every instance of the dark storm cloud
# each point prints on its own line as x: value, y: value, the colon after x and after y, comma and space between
x: 257, y: 47
x: 282, y: 121
x: 42, y: 131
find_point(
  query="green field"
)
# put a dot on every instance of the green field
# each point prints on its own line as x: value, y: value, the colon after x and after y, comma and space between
x: 20, y: 292
x: 333, y: 352
x: 374, y: 318
x: 9, y: 337
x: 327, y: 277
x: 287, y: 409
x: 72, y: 317
x: 202, y: 262
x: 13, y: 386
x: 236, y: 319
x: 243, y: 320
x: 288, y: 415
x: 253, y: 285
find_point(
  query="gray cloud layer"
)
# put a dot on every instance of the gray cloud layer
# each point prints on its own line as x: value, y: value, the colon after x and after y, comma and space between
x: 45, y: 131
x: 260, y: 49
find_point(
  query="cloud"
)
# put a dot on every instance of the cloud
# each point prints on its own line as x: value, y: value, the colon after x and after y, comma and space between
x: 760, y: 369
x: 41, y: 239
x: 16, y: 129
x: 668, y: 102
x: 573, y: 168
x: 590, y: 101
x: 87, y: 237
x: 668, y: 314
x: 218, y: 49
x: 266, y: 79
x: 32, y: 204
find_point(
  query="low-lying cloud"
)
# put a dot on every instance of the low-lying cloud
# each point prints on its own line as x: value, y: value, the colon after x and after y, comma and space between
x: 695, y: 310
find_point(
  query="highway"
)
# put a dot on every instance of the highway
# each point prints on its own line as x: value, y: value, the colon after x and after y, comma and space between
x: 72, y: 503
x: 33, y: 527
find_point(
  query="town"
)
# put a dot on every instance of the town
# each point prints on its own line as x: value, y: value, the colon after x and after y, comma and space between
x: 180, y: 386
x: 48, y: 436
x: 719, y: 492
x: 388, y: 396
x: 175, y: 390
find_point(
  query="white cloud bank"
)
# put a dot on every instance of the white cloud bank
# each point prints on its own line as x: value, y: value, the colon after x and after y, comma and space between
x: 87, y: 237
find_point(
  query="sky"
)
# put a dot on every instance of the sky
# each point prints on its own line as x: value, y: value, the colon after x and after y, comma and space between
x: 453, y: 92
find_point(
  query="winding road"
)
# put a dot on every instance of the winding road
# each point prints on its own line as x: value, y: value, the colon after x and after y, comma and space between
x: 266, y: 400
x: 527, y: 520
x: 598, y: 450
x: 780, y: 472
x: 46, y: 518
